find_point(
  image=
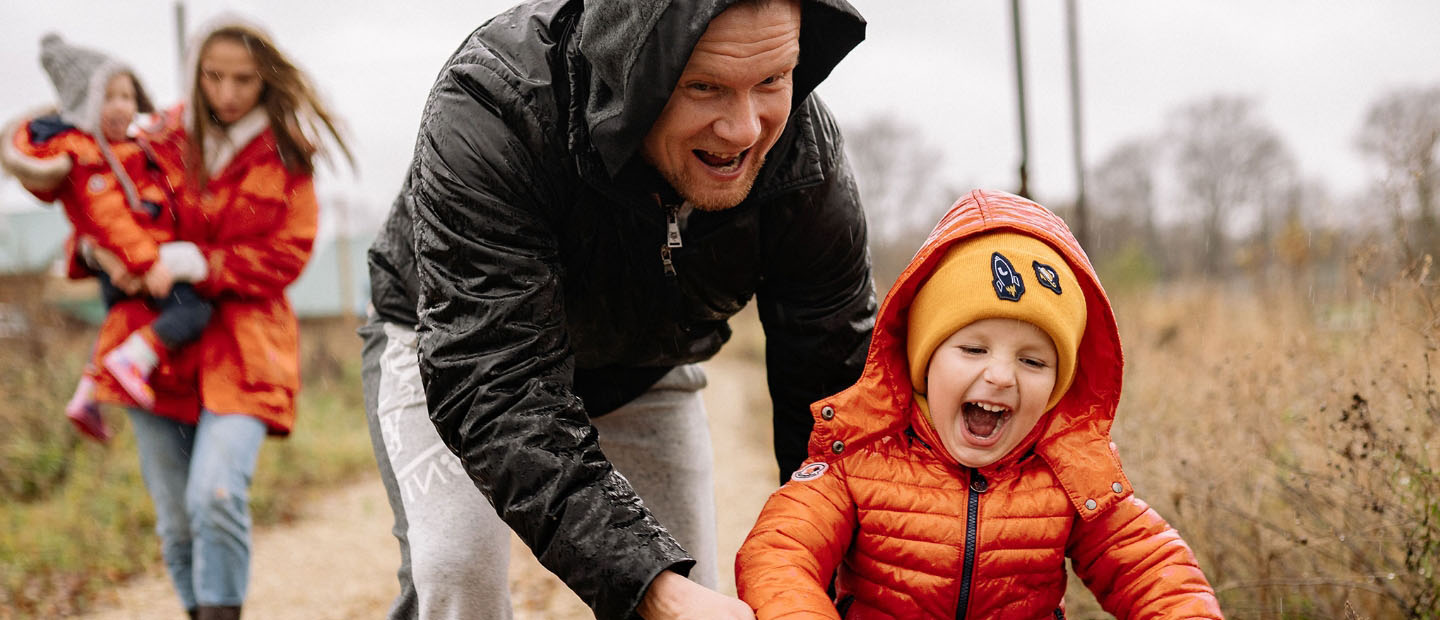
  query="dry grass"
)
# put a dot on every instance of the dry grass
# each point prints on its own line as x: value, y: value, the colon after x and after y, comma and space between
x: 1290, y: 438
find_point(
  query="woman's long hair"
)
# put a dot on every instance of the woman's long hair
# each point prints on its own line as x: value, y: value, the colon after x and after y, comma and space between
x: 291, y: 103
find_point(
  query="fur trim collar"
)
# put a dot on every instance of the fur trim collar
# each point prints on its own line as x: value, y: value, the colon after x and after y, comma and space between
x: 222, y: 146
x: 35, y: 173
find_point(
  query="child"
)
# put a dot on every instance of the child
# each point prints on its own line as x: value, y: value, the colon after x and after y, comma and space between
x: 973, y: 456
x: 115, y: 198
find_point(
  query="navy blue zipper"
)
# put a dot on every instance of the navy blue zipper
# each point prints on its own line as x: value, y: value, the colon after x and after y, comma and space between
x: 978, y: 485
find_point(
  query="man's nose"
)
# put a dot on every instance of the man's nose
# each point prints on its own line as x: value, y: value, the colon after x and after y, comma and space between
x: 740, y: 125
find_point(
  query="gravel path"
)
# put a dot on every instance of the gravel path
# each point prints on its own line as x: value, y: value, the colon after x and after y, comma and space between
x: 337, y: 560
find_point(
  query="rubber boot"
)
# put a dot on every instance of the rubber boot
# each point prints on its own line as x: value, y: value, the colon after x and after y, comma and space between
x: 220, y: 612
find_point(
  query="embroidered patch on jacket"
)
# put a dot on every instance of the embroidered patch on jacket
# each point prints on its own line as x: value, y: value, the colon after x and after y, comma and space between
x: 96, y: 183
x: 1008, y: 285
x: 810, y: 472
x: 1047, y: 276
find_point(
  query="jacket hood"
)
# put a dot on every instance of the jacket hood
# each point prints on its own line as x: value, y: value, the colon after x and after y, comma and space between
x: 190, y: 64
x: 1073, y: 438
x: 630, y: 83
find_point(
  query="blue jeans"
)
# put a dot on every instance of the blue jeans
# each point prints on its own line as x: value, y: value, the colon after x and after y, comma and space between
x: 199, y: 479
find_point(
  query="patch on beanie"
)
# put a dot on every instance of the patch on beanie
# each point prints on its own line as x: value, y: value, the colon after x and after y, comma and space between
x: 1008, y: 285
x: 809, y: 472
x: 1047, y: 277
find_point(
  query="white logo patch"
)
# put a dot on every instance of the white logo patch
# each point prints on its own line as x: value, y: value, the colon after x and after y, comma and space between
x: 810, y: 472
x: 96, y: 183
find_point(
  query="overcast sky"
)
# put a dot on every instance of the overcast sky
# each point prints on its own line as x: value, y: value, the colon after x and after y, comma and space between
x: 944, y: 66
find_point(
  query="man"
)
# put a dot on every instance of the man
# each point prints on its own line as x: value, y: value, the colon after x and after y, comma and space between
x: 597, y: 187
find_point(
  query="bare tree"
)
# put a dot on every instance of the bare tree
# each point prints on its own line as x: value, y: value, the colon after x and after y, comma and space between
x: 1229, y: 164
x: 1124, y: 194
x: 1402, y: 132
x: 897, y: 172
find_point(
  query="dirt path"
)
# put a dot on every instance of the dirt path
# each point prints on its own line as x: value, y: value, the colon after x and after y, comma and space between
x: 337, y: 560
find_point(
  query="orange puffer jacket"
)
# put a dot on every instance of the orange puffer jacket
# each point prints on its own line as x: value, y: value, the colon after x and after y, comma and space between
x: 64, y: 164
x: 914, y: 534
x: 256, y: 228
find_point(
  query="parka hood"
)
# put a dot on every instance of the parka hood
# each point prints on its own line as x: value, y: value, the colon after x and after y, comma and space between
x: 1073, y: 438
x: 637, y: 49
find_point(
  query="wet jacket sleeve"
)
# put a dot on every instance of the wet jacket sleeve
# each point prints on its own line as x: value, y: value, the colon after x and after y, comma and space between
x: 262, y: 264
x: 786, y: 562
x: 1138, y: 566
x: 494, y: 354
x: 817, y: 302
x: 100, y: 211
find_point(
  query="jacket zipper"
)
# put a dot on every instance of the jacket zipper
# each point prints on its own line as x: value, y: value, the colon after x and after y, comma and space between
x: 978, y: 484
x: 672, y: 237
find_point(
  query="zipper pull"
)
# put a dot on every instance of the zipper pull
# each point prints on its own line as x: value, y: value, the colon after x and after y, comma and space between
x: 672, y: 226
x: 665, y: 260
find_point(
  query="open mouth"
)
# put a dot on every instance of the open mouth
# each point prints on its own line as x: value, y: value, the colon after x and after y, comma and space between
x: 983, y: 421
x: 723, y: 163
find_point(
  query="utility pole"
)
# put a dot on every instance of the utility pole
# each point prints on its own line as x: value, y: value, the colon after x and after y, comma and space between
x: 180, y: 43
x: 1020, y: 88
x: 1082, y: 226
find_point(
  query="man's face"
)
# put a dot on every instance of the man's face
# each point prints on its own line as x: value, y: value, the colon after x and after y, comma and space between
x: 730, y: 105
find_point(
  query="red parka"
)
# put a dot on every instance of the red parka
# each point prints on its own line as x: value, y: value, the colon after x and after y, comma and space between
x: 255, y: 223
x: 914, y: 534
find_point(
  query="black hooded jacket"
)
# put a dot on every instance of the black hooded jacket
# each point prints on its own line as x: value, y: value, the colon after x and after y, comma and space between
x: 528, y: 247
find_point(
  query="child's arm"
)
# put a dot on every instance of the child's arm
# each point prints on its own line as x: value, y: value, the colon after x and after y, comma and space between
x: 786, y: 563
x: 1138, y: 566
x: 107, y: 219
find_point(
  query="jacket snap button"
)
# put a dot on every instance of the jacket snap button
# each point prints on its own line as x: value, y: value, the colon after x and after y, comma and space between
x: 979, y: 485
x: 828, y: 413
x: 1090, y: 504
x: 837, y: 447
x: 1118, y: 487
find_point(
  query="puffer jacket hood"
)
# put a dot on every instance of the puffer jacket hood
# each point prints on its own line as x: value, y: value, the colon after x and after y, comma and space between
x: 631, y: 83
x: 882, y: 402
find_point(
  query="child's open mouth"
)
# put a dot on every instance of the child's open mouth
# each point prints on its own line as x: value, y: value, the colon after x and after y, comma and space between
x: 984, y: 420
x: 722, y: 163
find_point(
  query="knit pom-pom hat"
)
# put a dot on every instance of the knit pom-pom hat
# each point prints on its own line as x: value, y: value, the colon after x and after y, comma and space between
x: 80, y: 76
x: 998, y: 275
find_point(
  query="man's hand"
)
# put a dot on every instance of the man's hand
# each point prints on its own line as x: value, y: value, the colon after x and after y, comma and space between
x: 672, y: 597
x: 159, y: 280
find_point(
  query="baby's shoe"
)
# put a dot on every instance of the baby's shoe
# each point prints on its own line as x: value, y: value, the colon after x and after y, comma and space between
x: 84, y: 412
x: 131, y: 364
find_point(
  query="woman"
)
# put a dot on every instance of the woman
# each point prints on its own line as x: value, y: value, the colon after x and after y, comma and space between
x: 242, y: 150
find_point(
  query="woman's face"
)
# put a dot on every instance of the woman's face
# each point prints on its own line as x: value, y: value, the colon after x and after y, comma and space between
x: 229, y: 79
x: 119, y: 108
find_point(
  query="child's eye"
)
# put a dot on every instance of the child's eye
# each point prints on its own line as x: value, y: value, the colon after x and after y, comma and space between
x: 972, y: 350
x: 1033, y: 363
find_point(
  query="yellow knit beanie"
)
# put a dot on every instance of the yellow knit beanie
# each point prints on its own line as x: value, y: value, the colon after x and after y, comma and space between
x: 998, y: 275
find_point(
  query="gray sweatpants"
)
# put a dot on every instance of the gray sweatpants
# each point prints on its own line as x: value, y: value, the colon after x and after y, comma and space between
x: 454, y: 550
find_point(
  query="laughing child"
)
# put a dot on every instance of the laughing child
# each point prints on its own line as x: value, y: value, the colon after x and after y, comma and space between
x: 974, y: 456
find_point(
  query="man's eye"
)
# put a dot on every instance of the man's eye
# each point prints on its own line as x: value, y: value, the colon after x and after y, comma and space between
x: 701, y: 87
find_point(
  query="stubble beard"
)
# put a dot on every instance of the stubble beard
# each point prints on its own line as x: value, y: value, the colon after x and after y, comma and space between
x: 727, y: 198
